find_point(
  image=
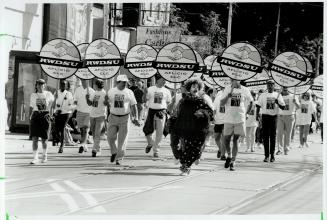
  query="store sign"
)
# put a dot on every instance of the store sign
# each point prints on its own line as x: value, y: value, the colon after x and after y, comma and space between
x: 140, y: 61
x: 157, y: 37
x: 59, y: 58
x: 83, y: 72
x: 288, y: 69
x: 258, y: 82
x: 317, y: 87
x: 218, y: 75
x: 103, y: 59
x: 202, y: 44
x: 176, y: 62
x: 240, y: 61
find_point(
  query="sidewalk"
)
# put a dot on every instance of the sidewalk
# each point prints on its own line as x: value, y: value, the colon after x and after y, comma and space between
x: 74, y: 184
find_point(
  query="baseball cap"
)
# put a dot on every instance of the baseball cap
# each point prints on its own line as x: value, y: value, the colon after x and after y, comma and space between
x: 122, y: 78
x: 270, y: 81
x: 40, y: 81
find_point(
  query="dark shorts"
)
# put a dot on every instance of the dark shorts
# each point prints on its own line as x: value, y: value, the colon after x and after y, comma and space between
x: 40, y: 125
x: 218, y: 128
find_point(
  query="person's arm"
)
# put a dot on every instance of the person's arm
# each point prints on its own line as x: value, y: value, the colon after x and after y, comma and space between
x: 280, y: 102
x: 88, y: 100
x: 226, y: 95
x: 296, y: 102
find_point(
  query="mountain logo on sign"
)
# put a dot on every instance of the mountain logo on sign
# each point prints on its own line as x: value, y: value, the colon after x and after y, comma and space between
x: 105, y: 49
x: 247, y: 53
x: 179, y: 53
x: 63, y: 49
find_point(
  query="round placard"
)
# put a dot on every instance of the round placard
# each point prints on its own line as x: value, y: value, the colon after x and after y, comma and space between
x: 173, y: 86
x: 218, y: 75
x: 83, y: 72
x: 300, y: 89
x: 59, y: 58
x: 240, y: 61
x: 103, y: 58
x: 140, y: 61
x: 288, y: 69
x: 176, y: 62
x: 317, y: 86
x: 208, y: 61
x: 309, y: 72
x: 258, y: 82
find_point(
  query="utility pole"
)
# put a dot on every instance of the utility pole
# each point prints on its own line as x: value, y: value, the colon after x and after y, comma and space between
x: 277, y: 30
x: 229, y: 27
x: 318, y: 57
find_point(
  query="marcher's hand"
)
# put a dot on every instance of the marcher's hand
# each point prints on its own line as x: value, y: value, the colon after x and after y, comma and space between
x: 198, y: 113
x: 56, y: 95
x: 106, y: 98
x: 136, y: 122
x: 87, y: 96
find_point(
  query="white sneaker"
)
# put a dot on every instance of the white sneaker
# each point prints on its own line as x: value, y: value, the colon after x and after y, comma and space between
x: 44, y: 158
x: 197, y: 162
x: 176, y: 161
x: 247, y: 149
x: 306, y: 144
x: 34, y: 161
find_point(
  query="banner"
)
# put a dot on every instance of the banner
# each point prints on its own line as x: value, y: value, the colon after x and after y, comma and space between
x: 157, y: 37
x: 140, y: 61
x: 59, y: 58
x: 240, y: 61
x: 103, y: 58
x: 83, y: 72
x: 288, y: 69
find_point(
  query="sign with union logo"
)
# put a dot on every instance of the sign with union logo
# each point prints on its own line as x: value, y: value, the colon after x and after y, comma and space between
x: 208, y: 80
x: 83, y: 72
x: 317, y: 87
x: 176, y: 62
x: 59, y: 58
x: 218, y: 75
x: 288, y: 69
x: 140, y: 61
x: 103, y: 58
x: 240, y: 61
x: 258, y: 82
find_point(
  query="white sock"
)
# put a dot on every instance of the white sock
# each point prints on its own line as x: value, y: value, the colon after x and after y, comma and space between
x: 35, y: 155
x: 45, y: 151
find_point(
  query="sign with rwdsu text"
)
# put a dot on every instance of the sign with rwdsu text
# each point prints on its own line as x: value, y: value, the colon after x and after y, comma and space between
x: 140, y: 61
x: 258, y: 82
x: 218, y: 75
x: 240, y: 61
x: 202, y: 67
x: 103, y: 58
x: 59, y: 58
x: 208, y: 80
x: 83, y: 72
x: 317, y: 86
x: 288, y: 69
x: 176, y: 62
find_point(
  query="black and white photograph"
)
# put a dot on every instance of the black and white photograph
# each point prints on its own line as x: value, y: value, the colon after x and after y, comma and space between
x: 87, y: 132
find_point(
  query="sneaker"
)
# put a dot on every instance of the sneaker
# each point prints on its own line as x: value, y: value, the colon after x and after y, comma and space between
x: 94, y: 153
x: 117, y: 162
x: 218, y: 154
x: 286, y: 152
x: 306, y: 144
x: 252, y: 150
x: 176, y: 161
x: 247, y: 149
x: 278, y: 152
x: 156, y: 155
x: 148, y: 149
x: 89, y: 141
x: 61, y: 150
x: 223, y: 157
x: 231, y: 167
x: 113, y: 157
x: 197, y: 162
x: 227, y: 163
x: 186, y: 171
x: 85, y: 149
x: 300, y: 146
x: 81, y: 149
x: 266, y: 159
x: 34, y: 161
x: 272, y: 159
x: 44, y: 158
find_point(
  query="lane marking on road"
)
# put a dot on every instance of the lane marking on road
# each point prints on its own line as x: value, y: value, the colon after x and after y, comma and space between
x: 230, y: 209
x: 92, y: 202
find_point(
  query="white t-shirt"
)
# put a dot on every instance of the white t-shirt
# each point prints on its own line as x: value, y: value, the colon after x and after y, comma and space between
x: 251, y: 121
x: 41, y: 101
x: 158, y: 97
x: 79, y: 97
x: 267, y: 103
x: 220, y: 110
x: 303, y: 117
x: 121, y: 100
x: 64, y: 102
x: 290, y: 106
x: 207, y: 100
x: 235, y: 108
x: 98, y: 109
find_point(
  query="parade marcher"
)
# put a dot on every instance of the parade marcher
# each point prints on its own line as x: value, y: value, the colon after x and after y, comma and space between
x: 258, y: 132
x: 306, y: 111
x: 83, y: 113
x: 40, y: 119
x: 64, y: 104
x: 285, y: 121
x: 234, y: 98
x: 192, y: 124
x: 251, y: 125
x: 268, y: 103
x: 158, y: 98
x: 99, y: 101
x: 139, y: 96
x: 321, y: 120
x: 122, y: 102
x: 219, y: 115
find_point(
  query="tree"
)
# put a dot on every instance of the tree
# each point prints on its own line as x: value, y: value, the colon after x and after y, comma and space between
x: 177, y: 20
